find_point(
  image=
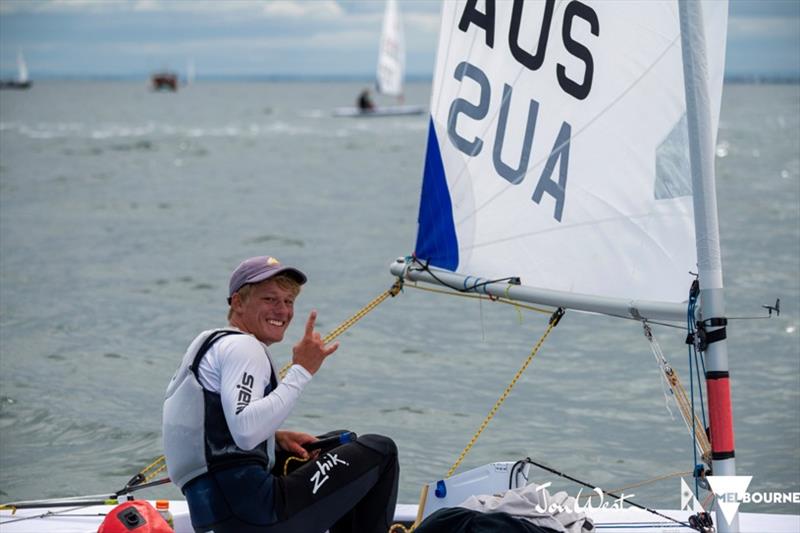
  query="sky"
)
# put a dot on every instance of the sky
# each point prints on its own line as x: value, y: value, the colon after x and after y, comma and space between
x: 292, y: 38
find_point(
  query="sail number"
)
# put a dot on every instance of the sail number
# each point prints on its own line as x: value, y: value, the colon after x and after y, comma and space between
x: 559, y: 154
x: 534, y: 60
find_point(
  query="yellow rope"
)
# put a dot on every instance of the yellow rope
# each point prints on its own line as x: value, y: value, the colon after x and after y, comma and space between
x: 289, y: 460
x: 681, y: 397
x: 684, y: 404
x: 552, y: 324
x: 157, y: 471
x: 393, y: 291
x: 159, y: 462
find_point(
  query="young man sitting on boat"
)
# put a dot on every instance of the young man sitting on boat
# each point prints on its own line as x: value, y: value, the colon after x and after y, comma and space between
x: 222, y: 413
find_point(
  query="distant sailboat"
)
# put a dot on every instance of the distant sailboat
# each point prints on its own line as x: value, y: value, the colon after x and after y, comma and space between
x: 190, y: 74
x: 22, y: 81
x: 164, y: 81
x: 390, y: 71
x: 392, y: 53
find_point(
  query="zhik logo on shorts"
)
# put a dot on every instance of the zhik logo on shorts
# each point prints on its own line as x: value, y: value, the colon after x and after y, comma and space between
x: 325, y: 465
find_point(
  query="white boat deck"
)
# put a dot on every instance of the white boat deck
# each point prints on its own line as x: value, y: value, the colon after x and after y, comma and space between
x: 88, y: 519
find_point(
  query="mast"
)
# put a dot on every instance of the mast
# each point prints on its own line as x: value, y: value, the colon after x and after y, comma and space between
x: 709, y: 257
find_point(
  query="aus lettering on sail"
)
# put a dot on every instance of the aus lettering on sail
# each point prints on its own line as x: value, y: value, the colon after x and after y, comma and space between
x: 521, y: 54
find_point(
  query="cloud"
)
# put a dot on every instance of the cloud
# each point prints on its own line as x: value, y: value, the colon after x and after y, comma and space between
x: 296, y: 9
x: 276, y: 8
x: 763, y: 27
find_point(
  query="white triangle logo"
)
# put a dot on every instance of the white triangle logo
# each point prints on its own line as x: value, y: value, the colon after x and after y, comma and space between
x: 688, y: 497
x: 730, y: 491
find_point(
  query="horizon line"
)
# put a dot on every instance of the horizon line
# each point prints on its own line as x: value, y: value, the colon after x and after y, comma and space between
x: 411, y: 78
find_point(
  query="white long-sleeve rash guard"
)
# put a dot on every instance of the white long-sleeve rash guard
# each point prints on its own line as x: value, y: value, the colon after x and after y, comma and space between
x: 238, y: 368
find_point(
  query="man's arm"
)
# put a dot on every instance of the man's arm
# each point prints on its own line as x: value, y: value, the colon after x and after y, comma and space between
x: 245, y: 369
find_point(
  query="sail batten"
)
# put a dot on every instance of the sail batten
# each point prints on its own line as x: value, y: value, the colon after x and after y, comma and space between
x: 563, y: 147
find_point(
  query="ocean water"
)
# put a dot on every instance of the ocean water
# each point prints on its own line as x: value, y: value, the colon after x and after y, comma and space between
x: 123, y: 211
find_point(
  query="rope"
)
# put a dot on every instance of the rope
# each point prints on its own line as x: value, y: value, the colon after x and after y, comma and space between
x: 552, y: 324
x: 554, y: 320
x: 643, y: 483
x: 289, y: 460
x: 693, y: 423
x: 393, y: 291
x: 507, y: 301
x: 157, y: 466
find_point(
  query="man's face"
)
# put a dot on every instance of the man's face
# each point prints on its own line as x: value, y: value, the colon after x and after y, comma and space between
x: 266, y: 312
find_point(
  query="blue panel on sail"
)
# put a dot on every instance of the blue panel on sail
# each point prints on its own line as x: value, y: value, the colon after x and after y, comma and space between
x: 436, y: 236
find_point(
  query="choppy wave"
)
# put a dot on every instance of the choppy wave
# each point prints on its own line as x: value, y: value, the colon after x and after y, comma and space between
x: 55, y: 130
x: 160, y: 130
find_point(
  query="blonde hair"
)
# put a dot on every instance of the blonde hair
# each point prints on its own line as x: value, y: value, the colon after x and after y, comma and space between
x: 281, y: 280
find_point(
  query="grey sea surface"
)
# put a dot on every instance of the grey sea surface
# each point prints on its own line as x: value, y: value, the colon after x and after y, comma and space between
x: 123, y: 212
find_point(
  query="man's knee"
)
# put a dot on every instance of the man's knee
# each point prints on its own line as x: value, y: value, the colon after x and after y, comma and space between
x: 383, y: 445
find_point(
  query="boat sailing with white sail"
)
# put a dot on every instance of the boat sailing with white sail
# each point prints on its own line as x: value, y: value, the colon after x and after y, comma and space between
x: 22, y: 80
x: 390, y: 76
x: 573, y: 168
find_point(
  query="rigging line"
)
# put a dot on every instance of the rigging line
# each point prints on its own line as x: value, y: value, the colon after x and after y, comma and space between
x: 663, y: 367
x: 513, y: 280
x: 47, y: 501
x: 694, y: 291
x: 613, y: 495
x: 137, y: 482
x: 507, y: 301
x: 698, y: 360
x: 49, y: 514
x: 393, y: 291
x: 645, y: 482
x: 553, y: 322
x: 670, y: 375
x: 81, y: 501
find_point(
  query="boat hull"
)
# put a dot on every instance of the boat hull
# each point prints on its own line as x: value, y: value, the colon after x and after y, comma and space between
x: 628, y: 520
x: 20, y: 85
x: 388, y: 111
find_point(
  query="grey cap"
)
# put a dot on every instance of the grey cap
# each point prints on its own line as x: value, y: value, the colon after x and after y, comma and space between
x: 258, y: 269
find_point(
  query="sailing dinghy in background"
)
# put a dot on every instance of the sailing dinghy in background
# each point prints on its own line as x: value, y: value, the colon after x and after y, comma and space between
x: 22, y: 80
x: 391, y: 69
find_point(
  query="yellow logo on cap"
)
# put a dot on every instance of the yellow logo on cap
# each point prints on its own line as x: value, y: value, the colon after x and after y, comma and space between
x: 272, y: 261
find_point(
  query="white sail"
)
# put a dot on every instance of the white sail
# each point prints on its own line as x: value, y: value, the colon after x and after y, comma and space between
x: 392, y: 53
x: 558, y: 149
x: 22, y: 68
